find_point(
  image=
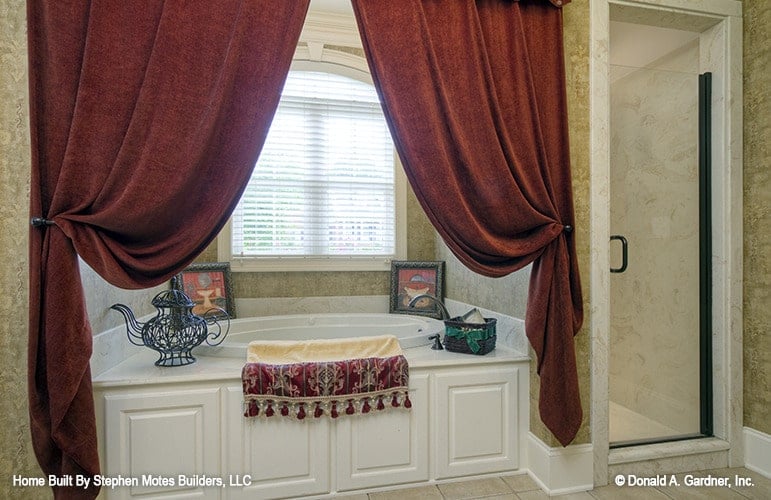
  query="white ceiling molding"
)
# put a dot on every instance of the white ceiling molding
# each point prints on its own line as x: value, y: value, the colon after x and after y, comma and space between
x: 346, y: 64
x: 315, y: 50
x: 330, y: 29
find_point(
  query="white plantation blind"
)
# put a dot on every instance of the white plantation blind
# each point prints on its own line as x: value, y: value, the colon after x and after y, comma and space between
x: 324, y: 182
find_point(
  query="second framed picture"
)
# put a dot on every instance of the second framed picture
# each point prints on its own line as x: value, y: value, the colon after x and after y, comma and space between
x: 210, y: 287
x: 411, y: 281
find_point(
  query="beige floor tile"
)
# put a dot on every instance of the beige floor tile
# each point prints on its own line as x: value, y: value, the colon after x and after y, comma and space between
x: 581, y: 495
x: 693, y: 493
x: 475, y: 488
x: 532, y: 495
x: 508, y: 496
x: 419, y: 493
x: 521, y: 482
x: 522, y: 487
x: 761, y: 486
x: 627, y: 493
x: 689, y: 489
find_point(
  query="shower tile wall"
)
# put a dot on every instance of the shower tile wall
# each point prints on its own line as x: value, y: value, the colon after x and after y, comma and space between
x: 654, y: 184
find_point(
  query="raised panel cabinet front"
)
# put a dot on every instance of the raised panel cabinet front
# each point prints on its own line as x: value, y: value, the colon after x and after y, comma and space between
x: 167, y: 442
x: 385, y: 448
x: 274, y: 457
x: 476, y: 421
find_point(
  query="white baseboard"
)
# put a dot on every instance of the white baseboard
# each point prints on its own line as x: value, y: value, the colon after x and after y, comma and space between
x: 757, y: 451
x: 560, y: 470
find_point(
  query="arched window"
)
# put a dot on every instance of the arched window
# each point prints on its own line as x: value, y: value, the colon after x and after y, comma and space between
x: 324, y: 187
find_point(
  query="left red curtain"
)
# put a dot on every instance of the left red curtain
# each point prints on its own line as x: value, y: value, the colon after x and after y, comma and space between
x: 145, y: 127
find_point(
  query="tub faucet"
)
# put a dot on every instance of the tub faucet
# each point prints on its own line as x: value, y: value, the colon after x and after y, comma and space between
x: 415, y: 299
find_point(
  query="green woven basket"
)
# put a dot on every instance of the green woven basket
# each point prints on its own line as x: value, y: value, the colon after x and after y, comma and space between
x: 469, y: 338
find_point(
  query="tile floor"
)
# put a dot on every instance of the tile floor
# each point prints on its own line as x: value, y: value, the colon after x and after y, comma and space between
x: 523, y: 488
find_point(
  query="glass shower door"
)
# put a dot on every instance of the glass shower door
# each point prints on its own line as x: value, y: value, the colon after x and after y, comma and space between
x: 657, y: 289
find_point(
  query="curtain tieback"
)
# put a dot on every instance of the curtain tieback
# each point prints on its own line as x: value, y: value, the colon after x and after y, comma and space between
x: 41, y: 222
x: 568, y: 229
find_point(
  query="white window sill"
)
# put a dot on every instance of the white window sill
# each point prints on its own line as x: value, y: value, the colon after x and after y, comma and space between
x: 307, y: 264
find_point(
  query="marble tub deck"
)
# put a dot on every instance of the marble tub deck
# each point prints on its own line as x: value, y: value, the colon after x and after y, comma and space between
x: 523, y: 488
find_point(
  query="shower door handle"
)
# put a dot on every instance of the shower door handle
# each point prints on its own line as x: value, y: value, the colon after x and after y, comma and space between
x: 624, y: 253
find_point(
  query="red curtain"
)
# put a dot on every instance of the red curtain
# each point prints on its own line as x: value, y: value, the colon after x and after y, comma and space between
x: 146, y: 122
x: 474, y: 93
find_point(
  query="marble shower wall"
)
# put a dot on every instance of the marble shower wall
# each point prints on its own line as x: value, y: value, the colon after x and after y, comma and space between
x: 654, y: 361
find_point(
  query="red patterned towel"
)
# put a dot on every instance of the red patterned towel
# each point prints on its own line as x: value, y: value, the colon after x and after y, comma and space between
x: 327, y: 385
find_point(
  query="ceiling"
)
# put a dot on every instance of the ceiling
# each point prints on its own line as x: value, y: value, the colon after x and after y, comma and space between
x: 635, y: 46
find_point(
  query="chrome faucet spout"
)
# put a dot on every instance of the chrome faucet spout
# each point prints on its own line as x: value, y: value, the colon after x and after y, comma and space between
x: 415, y: 299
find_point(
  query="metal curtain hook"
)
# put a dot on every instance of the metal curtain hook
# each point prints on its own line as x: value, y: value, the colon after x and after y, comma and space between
x: 41, y: 222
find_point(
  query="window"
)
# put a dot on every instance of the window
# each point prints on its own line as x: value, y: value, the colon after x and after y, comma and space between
x: 324, y: 187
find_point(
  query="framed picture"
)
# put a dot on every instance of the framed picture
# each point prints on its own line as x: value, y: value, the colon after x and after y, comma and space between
x: 409, y: 280
x: 209, y: 286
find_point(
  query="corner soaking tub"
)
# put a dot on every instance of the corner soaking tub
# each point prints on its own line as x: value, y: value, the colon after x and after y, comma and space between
x: 141, y: 408
x: 412, y: 331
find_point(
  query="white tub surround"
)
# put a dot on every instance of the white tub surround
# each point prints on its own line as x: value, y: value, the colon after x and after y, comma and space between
x: 469, y: 417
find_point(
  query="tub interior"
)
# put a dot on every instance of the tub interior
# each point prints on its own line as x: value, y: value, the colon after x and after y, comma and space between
x: 412, y: 331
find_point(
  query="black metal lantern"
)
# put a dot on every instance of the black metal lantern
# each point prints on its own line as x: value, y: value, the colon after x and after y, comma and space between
x: 175, y: 330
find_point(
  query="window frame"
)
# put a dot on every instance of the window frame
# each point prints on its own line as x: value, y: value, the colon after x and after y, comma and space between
x: 354, y: 67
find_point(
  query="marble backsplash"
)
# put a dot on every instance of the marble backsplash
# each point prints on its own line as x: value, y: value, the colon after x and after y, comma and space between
x: 112, y: 347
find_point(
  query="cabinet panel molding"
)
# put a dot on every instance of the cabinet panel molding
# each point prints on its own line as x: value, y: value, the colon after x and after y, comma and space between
x: 476, y: 421
x: 163, y: 441
x: 275, y: 457
x: 385, y: 449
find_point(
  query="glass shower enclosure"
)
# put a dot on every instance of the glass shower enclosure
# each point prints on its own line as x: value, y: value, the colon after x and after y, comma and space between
x: 660, y: 362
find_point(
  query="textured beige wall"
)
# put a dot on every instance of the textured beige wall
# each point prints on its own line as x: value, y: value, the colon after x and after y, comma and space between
x: 16, y: 456
x: 757, y: 215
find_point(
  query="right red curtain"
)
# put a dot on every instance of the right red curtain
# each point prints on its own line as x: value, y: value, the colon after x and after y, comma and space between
x: 474, y: 94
